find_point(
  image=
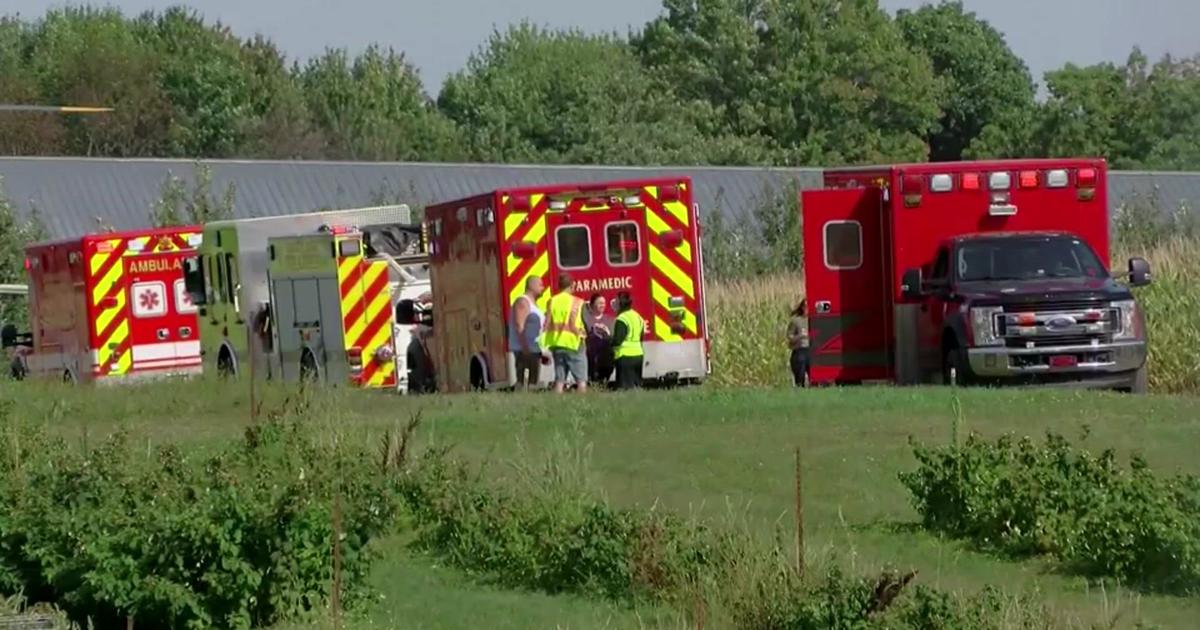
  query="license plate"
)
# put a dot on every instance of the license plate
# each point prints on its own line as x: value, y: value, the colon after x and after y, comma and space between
x: 1063, y: 361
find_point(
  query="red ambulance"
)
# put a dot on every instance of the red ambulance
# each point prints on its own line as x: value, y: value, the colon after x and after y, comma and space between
x: 111, y: 306
x: 973, y: 272
x: 639, y: 236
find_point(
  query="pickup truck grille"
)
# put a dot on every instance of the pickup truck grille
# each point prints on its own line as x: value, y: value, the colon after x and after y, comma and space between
x: 1058, y: 324
x: 1055, y: 306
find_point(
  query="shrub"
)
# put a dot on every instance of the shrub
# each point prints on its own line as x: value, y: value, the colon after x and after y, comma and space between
x: 1022, y: 498
x: 241, y: 538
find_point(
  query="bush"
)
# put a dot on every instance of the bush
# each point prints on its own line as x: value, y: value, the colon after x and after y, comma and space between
x: 1022, y: 498
x: 242, y: 538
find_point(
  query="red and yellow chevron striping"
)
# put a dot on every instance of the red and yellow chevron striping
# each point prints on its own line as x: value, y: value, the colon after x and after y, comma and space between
x: 672, y: 269
x: 367, y: 318
x: 106, y: 270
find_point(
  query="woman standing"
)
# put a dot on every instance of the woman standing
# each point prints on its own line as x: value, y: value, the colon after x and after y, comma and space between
x: 599, y: 333
x: 797, y: 338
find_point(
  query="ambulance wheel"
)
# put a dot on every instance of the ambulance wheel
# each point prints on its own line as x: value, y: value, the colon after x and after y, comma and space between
x: 955, y: 371
x: 308, y: 368
x: 225, y: 364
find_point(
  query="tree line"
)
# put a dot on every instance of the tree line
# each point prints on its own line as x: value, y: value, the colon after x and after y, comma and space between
x: 720, y: 82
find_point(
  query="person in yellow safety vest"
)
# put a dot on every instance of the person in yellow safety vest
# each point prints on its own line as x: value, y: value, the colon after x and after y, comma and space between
x: 564, y: 334
x: 627, y: 343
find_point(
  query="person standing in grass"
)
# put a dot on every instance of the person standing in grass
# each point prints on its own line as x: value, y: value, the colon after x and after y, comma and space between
x: 524, y: 331
x: 564, y: 336
x: 599, y: 333
x: 627, y: 343
x: 797, y: 339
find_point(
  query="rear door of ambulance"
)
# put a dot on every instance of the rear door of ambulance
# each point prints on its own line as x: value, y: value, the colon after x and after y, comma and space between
x: 163, y: 318
x: 845, y: 286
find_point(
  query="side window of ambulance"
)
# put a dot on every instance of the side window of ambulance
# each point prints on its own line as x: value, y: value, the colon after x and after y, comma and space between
x: 622, y: 243
x: 843, y: 245
x: 573, y: 247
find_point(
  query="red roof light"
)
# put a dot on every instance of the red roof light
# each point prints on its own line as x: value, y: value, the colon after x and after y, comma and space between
x: 970, y: 181
x: 1086, y: 177
x: 1028, y: 179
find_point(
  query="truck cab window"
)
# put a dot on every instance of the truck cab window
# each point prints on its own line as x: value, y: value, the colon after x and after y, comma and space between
x: 843, y: 245
x: 573, y: 247
x: 623, y: 245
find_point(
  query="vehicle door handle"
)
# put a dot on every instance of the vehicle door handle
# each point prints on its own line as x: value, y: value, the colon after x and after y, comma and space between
x: 824, y: 306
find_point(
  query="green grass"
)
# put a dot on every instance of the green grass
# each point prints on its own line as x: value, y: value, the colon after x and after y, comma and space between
x: 722, y: 455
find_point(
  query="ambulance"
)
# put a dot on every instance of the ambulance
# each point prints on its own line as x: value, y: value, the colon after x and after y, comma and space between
x: 636, y: 236
x: 227, y: 279
x: 993, y: 272
x: 112, y: 307
x: 332, y: 304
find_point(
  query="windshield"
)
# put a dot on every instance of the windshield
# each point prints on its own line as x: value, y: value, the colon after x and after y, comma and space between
x: 1029, y: 258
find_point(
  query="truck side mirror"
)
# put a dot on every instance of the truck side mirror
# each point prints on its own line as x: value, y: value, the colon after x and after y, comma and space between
x: 406, y: 312
x: 911, y: 284
x: 1139, y: 272
x: 193, y: 280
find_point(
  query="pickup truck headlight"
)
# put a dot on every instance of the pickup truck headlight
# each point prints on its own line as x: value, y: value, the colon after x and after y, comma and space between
x: 1129, y: 320
x: 983, y: 325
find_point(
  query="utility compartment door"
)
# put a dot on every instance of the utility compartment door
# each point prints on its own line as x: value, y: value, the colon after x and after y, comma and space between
x: 845, y: 285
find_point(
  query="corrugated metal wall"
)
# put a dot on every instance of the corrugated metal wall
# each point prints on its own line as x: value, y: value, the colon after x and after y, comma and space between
x: 75, y: 196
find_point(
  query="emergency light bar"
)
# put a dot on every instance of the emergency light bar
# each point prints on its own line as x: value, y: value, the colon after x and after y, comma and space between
x: 912, y: 186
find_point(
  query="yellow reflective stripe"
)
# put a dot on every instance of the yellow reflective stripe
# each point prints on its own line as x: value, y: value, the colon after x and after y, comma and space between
x: 107, y: 346
x: 537, y: 233
x: 663, y: 331
x: 682, y: 280
x: 658, y: 226
x: 105, y: 318
x: 512, y: 222
x: 539, y: 268
x: 678, y: 209
x: 663, y: 297
x: 106, y: 283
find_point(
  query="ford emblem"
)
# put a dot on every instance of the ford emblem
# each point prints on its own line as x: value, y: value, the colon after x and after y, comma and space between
x: 1061, y: 322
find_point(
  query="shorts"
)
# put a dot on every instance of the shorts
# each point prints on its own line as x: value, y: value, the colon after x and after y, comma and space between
x: 570, y: 361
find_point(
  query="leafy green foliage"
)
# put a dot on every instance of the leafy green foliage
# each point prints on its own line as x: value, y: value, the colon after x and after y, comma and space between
x: 1023, y: 498
x: 15, y: 233
x: 983, y: 81
x: 239, y: 538
x: 176, y: 207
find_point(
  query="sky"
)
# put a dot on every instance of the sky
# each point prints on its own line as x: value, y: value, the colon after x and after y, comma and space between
x: 438, y: 36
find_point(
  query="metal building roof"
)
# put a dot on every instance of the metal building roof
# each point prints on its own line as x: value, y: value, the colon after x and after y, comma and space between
x: 78, y: 195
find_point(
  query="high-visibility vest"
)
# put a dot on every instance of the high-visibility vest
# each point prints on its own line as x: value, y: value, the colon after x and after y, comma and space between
x: 631, y: 346
x: 564, y: 324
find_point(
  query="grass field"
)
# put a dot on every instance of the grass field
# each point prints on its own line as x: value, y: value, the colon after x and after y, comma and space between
x: 725, y: 456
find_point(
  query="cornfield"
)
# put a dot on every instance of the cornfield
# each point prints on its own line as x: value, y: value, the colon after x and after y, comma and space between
x: 748, y: 319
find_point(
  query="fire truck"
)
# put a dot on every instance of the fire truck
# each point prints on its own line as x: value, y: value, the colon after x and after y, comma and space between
x: 972, y: 272
x: 227, y: 280
x: 332, y: 301
x: 112, y: 306
x: 640, y: 236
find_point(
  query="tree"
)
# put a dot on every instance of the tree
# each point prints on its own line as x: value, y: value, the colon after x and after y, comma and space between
x: 94, y: 57
x: 15, y: 234
x: 279, y: 124
x: 23, y: 133
x: 828, y: 81
x: 375, y: 108
x: 534, y: 95
x: 983, y: 80
x: 176, y: 207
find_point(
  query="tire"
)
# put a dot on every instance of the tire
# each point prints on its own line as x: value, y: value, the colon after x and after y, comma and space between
x: 225, y: 364
x: 477, y: 381
x: 308, y: 368
x: 955, y: 372
x: 420, y: 376
x: 1140, y: 383
x: 18, y: 370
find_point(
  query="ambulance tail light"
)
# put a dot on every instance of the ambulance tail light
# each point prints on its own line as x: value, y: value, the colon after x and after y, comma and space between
x: 1085, y: 181
x: 668, y: 193
x: 671, y: 238
x: 970, y: 181
x: 1027, y: 179
x: 354, y: 358
x: 911, y: 186
x: 28, y: 264
x: 520, y: 203
x: 108, y: 302
x: 523, y: 249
